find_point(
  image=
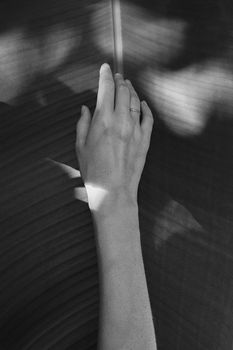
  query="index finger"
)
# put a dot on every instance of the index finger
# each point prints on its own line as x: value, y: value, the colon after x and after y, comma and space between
x: 106, y: 90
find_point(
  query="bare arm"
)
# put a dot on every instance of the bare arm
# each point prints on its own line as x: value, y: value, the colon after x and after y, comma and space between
x: 112, y: 148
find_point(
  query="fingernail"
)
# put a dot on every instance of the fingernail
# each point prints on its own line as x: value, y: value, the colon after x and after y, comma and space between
x: 118, y: 75
x: 105, y: 66
x: 83, y: 109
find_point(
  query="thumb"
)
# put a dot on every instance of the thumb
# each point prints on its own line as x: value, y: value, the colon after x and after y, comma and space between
x: 83, y: 126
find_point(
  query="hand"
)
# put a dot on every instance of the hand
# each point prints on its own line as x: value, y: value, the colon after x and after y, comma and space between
x: 112, y: 146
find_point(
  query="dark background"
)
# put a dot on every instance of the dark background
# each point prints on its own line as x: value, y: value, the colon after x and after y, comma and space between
x: 48, y: 266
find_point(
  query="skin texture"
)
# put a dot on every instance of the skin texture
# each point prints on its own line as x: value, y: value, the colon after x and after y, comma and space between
x: 111, y: 148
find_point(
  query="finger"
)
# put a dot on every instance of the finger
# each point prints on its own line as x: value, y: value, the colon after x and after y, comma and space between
x: 146, y: 124
x: 106, y: 89
x: 122, y: 104
x: 83, y: 126
x: 135, y: 105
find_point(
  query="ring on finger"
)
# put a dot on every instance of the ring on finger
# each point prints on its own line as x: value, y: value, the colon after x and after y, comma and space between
x: 134, y: 110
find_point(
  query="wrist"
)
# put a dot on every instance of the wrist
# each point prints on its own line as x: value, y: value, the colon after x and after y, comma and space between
x: 103, y: 203
x: 117, y: 227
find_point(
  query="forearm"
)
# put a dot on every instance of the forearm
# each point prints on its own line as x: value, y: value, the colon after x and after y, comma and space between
x: 125, y: 313
x: 112, y: 148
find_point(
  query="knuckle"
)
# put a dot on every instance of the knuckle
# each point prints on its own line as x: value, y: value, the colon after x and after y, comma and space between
x: 104, y: 124
x: 123, y: 86
x: 135, y: 104
x: 126, y: 130
x: 100, y: 119
x: 135, y: 100
x: 108, y: 132
x: 124, y: 136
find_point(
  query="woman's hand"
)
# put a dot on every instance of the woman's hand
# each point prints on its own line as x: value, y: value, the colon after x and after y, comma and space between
x: 112, y: 146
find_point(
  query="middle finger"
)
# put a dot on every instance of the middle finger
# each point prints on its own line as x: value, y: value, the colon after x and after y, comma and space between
x: 122, y: 101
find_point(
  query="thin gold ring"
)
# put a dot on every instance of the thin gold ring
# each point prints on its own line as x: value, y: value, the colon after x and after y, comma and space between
x: 134, y: 110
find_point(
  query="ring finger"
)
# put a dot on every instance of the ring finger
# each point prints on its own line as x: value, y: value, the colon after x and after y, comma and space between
x: 135, y: 109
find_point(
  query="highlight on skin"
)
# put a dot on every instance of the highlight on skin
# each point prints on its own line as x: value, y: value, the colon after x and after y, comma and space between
x: 96, y: 195
x: 92, y: 194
